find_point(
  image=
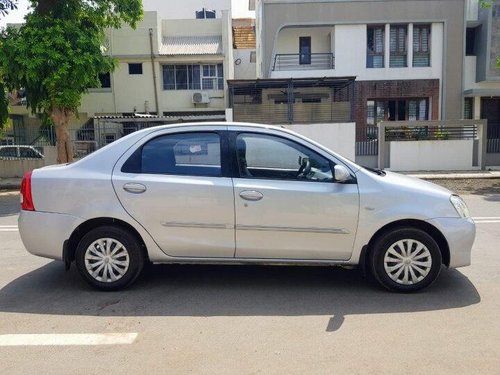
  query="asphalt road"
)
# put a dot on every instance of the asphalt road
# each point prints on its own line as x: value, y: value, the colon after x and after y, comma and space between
x: 242, y: 319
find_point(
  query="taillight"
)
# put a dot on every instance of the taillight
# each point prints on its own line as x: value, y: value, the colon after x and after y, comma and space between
x: 26, y: 197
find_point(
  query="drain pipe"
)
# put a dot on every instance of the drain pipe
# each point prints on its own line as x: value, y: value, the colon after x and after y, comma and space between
x: 154, y: 71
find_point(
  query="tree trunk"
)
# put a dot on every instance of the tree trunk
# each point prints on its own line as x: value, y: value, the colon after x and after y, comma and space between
x: 61, y: 117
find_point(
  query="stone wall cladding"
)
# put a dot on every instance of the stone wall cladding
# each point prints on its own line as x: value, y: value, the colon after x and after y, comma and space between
x: 397, y: 89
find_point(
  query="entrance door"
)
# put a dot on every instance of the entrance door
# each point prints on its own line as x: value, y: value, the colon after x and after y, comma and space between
x: 288, y: 205
x: 173, y: 185
x: 490, y: 110
x: 305, y: 50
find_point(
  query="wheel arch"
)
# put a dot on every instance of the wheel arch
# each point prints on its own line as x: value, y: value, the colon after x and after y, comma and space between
x: 409, y: 223
x: 71, y: 244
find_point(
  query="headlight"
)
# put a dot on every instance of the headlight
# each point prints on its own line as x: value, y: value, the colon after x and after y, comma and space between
x: 460, y: 206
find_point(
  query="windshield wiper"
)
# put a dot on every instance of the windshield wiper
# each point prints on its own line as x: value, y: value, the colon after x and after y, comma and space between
x: 378, y: 171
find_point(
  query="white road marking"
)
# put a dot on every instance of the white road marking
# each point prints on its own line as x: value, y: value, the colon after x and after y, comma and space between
x: 486, y: 219
x: 8, y: 228
x: 67, y: 339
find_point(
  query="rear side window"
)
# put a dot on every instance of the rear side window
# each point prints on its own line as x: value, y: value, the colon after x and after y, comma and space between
x: 194, y: 154
x: 8, y: 152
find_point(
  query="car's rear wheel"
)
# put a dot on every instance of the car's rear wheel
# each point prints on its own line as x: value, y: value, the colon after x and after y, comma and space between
x: 109, y: 258
x: 405, y: 260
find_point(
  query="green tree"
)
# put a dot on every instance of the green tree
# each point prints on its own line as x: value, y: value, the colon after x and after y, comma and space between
x: 6, y: 5
x: 56, y: 56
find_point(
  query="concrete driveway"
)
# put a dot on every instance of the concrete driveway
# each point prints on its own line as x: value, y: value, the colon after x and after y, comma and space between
x: 242, y: 319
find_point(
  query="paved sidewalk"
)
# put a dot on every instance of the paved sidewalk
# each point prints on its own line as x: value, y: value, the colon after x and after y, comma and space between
x: 453, y: 175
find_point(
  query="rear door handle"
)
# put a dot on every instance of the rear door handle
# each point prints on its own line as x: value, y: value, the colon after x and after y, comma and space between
x: 134, y: 188
x: 251, y: 195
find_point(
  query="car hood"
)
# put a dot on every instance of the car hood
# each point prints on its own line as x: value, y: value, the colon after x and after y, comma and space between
x: 411, y: 183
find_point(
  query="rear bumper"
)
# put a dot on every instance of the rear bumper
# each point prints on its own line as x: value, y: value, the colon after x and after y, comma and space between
x: 43, y: 233
x: 460, y: 234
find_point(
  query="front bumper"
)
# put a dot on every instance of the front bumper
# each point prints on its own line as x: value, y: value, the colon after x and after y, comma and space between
x: 43, y: 233
x: 460, y: 234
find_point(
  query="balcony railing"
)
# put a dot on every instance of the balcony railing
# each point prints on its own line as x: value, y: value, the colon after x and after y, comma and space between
x: 292, y: 61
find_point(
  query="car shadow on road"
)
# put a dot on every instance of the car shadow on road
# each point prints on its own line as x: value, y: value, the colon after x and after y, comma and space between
x: 196, y: 290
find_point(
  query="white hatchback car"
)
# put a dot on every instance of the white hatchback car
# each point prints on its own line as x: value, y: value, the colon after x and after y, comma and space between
x: 239, y: 193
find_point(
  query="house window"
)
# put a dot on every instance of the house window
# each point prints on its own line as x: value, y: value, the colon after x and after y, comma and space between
x: 304, y: 50
x: 468, y: 108
x: 418, y: 109
x: 375, y: 47
x: 421, y: 45
x: 470, y: 42
x: 193, y: 77
x: 375, y: 112
x: 135, y: 68
x: 398, y: 46
x: 397, y: 110
x: 105, y: 80
x: 205, y: 14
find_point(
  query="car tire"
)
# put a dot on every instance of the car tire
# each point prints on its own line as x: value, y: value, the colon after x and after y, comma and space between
x: 109, y: 258
x: 405, y: 260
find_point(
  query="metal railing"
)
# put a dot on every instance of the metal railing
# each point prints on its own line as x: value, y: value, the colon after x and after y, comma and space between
x: 297, y: 61
x: 430, y: 133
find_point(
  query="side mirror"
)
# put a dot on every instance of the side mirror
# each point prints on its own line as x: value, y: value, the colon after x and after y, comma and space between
x: 341, y: 173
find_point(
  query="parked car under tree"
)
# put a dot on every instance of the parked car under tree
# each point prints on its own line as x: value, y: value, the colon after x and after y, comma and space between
x: 239, y: 194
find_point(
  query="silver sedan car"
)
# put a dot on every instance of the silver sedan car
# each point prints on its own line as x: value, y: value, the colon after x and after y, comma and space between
x: 239, y: 194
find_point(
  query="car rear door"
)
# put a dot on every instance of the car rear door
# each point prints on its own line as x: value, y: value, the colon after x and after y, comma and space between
x: 287, y: 205
x: 175, y: 185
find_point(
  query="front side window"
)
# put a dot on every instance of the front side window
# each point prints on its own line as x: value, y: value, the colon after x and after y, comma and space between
x: 421, y: 45
x: 375, y: 47
x: 270, y: 157
x: 194, y: 154
x: 398, y: 45
x: 193, y: 77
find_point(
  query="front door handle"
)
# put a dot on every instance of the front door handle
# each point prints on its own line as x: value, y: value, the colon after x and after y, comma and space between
x: 134, y: 188
x: 251, y: 195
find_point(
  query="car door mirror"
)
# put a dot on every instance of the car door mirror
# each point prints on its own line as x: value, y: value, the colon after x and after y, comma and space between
x: 341, y: 173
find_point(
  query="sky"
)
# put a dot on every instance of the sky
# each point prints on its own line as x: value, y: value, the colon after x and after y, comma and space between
x: 240, y: 10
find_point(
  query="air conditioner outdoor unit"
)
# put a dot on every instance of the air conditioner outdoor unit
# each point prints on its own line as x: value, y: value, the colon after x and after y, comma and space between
x: 201, y: 97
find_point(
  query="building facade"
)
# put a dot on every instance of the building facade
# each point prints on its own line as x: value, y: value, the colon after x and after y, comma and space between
x: 481, y: 72
x: 166, y: 67
x: 408, y: 57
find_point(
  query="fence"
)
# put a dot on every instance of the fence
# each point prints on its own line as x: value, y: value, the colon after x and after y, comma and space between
x: 432, y: 145
x: 89, y: 137
x: 366, y: 141
x: 311, y: 61
x: 293, y: 101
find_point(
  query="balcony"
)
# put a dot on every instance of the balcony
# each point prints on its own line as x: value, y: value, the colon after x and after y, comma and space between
x: 296, y: 61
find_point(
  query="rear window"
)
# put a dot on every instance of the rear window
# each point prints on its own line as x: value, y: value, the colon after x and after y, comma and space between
x: 195, y: 154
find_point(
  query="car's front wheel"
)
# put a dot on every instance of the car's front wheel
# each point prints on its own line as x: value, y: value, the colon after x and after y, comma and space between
x: 405, y: 260
x: 109, y: 258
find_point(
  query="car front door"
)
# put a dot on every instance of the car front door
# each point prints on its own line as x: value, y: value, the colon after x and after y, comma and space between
x: 287, y: 204
x: 174, y: 185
